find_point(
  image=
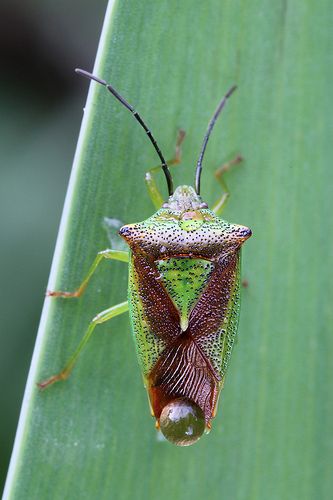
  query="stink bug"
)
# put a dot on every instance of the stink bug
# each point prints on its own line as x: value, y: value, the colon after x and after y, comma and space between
x: 183, y: 296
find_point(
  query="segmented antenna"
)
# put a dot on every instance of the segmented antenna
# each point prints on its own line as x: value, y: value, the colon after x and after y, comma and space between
x: 209, y: 130
x: 139, y: 119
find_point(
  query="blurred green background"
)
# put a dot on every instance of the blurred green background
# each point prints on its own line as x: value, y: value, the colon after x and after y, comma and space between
x: 41, y: 99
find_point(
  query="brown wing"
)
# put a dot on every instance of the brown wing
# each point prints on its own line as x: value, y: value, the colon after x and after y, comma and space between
x: 212, y: 306
x: 182, y: 370
x: 160, y: 312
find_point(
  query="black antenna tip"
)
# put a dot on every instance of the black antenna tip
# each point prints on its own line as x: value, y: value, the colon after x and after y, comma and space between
x: 231, y: 91
x: 90, y: 76
x: 82, y: 72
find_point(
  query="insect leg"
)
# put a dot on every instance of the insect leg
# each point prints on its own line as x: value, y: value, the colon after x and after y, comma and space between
x: 100, y: 318
x: 153, y: 190
x: 221, y: 202
x: 105, y: 254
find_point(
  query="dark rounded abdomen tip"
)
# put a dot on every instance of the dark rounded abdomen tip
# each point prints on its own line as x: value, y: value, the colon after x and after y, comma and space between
x: 182, y: 422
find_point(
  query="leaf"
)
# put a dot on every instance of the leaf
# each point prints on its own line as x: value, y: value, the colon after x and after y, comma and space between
x: 92, y: 437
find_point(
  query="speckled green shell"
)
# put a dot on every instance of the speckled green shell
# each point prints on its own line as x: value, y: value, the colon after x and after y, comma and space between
x: 184, y: 278
x: 217, y: 345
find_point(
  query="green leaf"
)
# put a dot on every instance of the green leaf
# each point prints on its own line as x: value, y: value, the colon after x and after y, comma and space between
x: 92, y: 437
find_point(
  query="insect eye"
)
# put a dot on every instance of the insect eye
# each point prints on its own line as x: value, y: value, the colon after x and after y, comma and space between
x: 182, y: 422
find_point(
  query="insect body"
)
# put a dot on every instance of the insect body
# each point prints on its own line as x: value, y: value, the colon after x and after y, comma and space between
x: 183, y: 299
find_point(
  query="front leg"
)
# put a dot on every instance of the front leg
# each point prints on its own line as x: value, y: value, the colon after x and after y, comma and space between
x: 153, y: 190
x: 219, y: 205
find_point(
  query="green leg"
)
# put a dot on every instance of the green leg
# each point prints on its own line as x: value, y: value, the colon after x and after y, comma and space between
x: 100, y: 318
x: 153, y: 190
x: 221, y: 202
x: 105, y: 254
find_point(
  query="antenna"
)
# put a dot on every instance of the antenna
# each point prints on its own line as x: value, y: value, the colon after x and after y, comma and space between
x: 138, y: 118
x: 209, y: 130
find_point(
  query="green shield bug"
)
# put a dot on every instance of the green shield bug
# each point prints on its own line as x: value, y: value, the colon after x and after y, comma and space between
x: 183, y: 295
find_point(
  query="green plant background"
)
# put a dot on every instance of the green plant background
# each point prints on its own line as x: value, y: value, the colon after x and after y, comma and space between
x: 93, y: 437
